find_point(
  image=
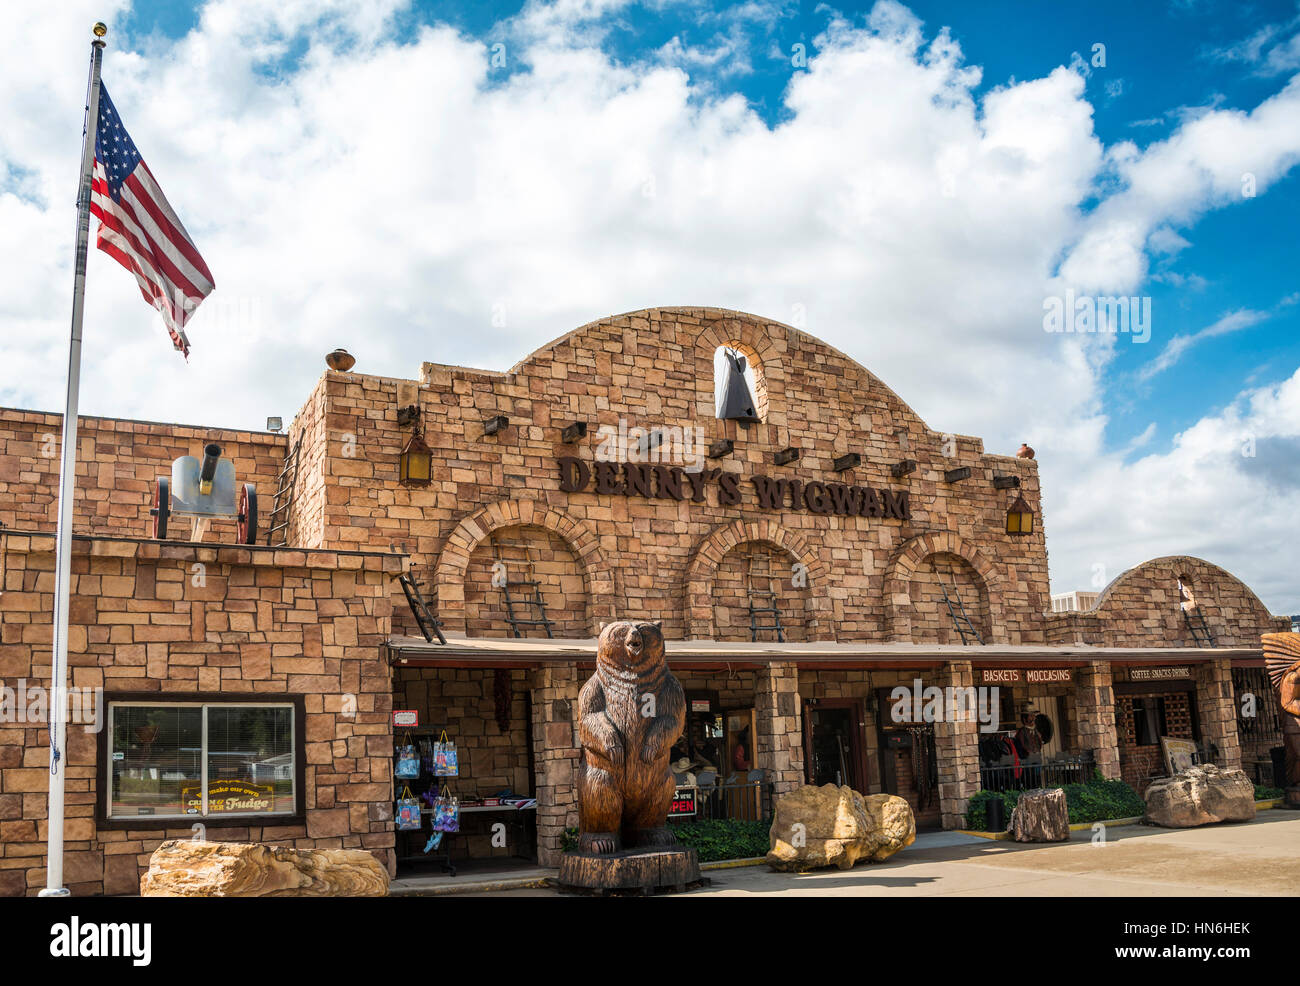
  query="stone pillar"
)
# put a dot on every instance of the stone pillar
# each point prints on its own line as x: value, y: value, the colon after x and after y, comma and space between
x: 554, y: 701
x: 779, y: 746
x: 956, y: 744
x: 1094, y: 702
x: 1216, y: 706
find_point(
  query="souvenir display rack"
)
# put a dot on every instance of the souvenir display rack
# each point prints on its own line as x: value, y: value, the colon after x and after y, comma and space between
x: 410, y: 842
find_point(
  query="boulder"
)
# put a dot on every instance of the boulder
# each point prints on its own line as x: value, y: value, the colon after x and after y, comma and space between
x: 1041, y: 815
x: 184, y: 868
x: 1201, y: 795
x: 837, y: 826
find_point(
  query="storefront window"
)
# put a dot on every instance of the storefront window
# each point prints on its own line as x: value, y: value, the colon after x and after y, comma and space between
x: 201, y: 760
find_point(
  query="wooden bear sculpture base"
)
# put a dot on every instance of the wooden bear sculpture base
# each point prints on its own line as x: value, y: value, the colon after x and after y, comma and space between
x: 630, y: 713
x: 649, y: 871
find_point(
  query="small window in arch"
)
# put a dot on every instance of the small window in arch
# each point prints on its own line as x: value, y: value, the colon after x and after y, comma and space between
x: 1185, y: 597
x: 735, y: 382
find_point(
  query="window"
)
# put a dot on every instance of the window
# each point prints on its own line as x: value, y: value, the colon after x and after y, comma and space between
x: 738, y: 390
x: 1148, y: 720
x: 201, y: 760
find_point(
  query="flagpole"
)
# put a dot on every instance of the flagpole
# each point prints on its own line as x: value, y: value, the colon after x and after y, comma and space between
x: 67, y: 480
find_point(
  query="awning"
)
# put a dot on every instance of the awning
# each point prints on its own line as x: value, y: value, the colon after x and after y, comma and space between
x: 461, y: 651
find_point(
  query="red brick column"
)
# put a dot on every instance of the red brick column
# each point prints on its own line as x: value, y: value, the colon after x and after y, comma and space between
x: 778, y: 748
x: 1216, y: 706
x: 1095, y: 703
x: 956, y: 746
x: 555, y: 755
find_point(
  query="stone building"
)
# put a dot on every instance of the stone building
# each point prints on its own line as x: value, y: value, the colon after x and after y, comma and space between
x: 592, y: 481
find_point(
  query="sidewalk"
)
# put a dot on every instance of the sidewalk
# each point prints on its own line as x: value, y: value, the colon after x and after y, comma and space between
x: 1253, y: 858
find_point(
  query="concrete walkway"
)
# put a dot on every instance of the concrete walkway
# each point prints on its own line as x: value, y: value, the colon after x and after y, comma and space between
x: 1255, y: 858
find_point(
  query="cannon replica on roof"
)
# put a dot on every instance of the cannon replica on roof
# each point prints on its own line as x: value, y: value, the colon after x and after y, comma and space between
x: 204, y: 490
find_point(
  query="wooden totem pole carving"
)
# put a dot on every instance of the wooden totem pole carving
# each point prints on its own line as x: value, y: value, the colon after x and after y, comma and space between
x: 630, y: 713
x: 1282, y: 659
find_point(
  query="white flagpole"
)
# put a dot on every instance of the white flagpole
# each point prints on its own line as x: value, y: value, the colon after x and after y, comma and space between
x: 67, y: 479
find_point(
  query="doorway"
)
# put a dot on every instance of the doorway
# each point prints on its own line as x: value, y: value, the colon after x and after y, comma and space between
x: 833, y: 743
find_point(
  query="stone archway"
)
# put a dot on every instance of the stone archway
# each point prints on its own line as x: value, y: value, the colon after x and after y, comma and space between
x: 697, y: 589
x: 909, y: 557
x: 453, y: 560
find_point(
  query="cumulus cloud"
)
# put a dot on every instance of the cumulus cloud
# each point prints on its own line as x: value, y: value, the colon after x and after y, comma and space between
x: 1228, y: 490
x: 414, y: 196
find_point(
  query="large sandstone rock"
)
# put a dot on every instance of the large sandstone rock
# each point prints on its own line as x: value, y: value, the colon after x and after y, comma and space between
x: 1201, y: 795
x: 183, y: 868
x: 1041, y: 815
x: 837, y: 826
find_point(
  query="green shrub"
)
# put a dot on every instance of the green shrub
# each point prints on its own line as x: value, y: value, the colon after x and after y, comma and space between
x: 714, y: 839
x: 977, y: 811
x: 1266, y: 793
x: 569, y: 839
x: 725, y: 838
x: 1097, y: 800
x: 1101, y: 800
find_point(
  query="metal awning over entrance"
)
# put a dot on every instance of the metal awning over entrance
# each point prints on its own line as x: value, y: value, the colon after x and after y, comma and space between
x: 499, y: 652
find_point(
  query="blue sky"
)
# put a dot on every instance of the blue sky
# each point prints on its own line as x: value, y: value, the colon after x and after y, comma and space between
x: 1161, y: 63
x: 914, y: 190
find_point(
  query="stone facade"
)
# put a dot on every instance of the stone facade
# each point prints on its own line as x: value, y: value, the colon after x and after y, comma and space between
x: 175, y: 620
x: 636, y: 540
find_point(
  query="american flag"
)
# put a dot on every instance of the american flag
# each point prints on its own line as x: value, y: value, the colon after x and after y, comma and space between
x: 140, y: 231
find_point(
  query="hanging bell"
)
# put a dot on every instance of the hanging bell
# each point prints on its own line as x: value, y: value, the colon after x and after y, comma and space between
x: 737, y: 401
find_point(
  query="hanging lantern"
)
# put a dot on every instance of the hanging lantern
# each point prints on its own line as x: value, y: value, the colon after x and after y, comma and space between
x: 1020, y: 519
x: 415, y: 463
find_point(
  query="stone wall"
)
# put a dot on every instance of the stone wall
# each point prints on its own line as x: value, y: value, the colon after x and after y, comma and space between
x: 1142, y: 608
x: 175, y: 620
x: 655, y: 369
x: 556, y: 755
x: 1095, y: 708
x: 118, y: 465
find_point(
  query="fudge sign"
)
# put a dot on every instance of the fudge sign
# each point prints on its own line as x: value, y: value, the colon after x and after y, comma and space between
x: 676, y: 483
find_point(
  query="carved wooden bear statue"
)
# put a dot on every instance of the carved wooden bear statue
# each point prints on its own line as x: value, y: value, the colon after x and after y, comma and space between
x: 630, y: 713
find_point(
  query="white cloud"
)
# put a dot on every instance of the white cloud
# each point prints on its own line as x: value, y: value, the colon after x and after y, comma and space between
x: 1228, y: 490
x: 392, y: 196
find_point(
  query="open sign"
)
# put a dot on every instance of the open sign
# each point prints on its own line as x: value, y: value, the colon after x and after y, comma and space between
x: 683, y: 803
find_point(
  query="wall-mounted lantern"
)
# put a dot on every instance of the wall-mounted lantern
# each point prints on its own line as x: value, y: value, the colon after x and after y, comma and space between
x: 572, y: 432
x: 496, y: 423
x: 1020, y: 519
x: 415, y: 462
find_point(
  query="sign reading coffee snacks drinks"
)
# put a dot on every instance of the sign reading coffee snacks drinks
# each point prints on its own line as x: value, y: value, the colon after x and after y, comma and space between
x: 676, y: 483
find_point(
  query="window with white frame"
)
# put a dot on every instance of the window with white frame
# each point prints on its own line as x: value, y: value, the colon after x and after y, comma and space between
x: 207, y: 760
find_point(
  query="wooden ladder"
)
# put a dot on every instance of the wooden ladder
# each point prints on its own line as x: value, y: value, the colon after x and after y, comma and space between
x: 277, y: 525
x: 1195, y: 621
x: 762, y: 586
x: 425, y: 617
x: 520, y: 573
x: 957, y: 611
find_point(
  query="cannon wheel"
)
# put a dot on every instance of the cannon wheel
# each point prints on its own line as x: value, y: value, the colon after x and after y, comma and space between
x: 161, y: 509
x: 248, y: 514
